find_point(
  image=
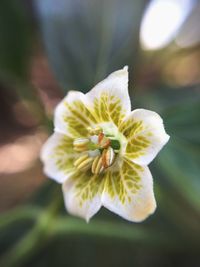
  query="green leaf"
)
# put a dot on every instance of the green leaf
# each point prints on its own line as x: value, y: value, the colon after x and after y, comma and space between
x: 180, y: 162
x: 16, y: 36
x: 84, y: 45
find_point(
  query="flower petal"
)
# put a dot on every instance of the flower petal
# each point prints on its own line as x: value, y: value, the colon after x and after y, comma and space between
x: 82, y: 194
x: 58, y: 157
x: 129, y: 192
x: 71, y: 115
x: 109, y: 100
x: 146, y: 135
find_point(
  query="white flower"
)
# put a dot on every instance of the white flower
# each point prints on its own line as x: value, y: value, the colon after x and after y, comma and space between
x: 100, y: 150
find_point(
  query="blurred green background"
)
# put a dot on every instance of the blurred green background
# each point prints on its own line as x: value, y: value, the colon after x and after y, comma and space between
x: 49, y: 47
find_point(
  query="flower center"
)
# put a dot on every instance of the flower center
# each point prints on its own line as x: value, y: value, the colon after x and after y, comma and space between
x: 97, y: 152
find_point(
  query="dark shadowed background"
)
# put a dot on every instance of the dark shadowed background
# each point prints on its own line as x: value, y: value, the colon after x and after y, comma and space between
x: 49, y: 47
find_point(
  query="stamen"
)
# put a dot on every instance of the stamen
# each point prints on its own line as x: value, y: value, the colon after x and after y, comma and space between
x: 84, y: 162
x: 80, y: 159
x: 94, y: 131
x: 100, y: 137
x: 81, y: 144
x: 108, y: 157
x: 103, y: 141
x: 104, y: 146
x: 97, y: 166
x: 85, y: 165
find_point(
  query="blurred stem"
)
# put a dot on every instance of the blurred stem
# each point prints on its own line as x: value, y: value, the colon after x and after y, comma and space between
x: 97, y: 228
x: 48, y: 226
x: 36, y: 237
x: 25, y: 213
x: 29, y: 244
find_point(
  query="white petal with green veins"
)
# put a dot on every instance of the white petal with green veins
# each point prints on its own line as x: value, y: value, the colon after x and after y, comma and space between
x: 82, y: 194
x: 109, y: 99
x: 72, y: 116
x: 145, y: 133
x: 129, y: 192
x: 58, y: 157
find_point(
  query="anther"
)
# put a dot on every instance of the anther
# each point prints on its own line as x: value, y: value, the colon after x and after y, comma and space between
x: 97, y: 166
x: 94, y: 131
x: 80, y: 159
x: 83, y: 163
x: 108, y: 157
x: 81, y: 144
x: 103, y: 141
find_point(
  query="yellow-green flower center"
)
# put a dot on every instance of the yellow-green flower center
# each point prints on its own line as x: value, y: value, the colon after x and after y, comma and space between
x: 97, y: 152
